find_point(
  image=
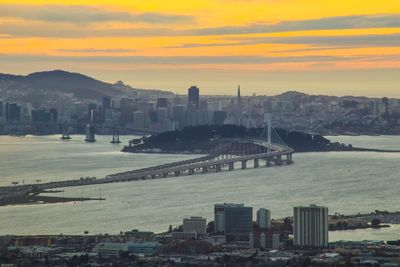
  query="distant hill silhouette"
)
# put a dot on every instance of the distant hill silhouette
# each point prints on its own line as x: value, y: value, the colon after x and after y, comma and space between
x: 62, y: 81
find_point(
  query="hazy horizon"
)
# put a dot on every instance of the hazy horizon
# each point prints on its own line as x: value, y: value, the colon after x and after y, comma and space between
x: 208, y: 89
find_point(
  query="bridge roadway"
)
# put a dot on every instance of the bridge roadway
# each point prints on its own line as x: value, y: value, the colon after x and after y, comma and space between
x: 224, y: 155
x: 204, y: 163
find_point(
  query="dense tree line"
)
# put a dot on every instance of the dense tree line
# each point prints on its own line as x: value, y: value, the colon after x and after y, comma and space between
x: 203, y: 138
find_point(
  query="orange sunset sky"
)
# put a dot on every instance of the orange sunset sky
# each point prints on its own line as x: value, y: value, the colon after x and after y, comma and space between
x: 336, y: 47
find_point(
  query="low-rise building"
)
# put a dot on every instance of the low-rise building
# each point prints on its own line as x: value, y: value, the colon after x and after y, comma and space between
x: 195, y: 224
x: 114, y: 249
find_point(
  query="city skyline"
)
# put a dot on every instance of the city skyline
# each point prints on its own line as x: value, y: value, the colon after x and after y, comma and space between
x: 334, y: 48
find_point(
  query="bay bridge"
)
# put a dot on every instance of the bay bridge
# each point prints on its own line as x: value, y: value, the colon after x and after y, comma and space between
x: 91, y: 129
x: 268, y: 149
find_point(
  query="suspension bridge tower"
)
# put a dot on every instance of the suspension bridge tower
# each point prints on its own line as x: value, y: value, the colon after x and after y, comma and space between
x: 90, y: 129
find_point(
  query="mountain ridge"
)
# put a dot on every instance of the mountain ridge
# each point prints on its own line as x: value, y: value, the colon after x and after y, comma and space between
x: 36, y: 86
x: 81, y: 86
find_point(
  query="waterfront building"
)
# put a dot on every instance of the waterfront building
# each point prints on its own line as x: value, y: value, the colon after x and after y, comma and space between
x: 138, y: 235
x: 264, y: 218
x: 44, y: 115
x: 219, y: 221
x: 235, y: 221
x: 195, y: 224
x: 184, y: 235
x: 106, y: 250
x: 310, y: 226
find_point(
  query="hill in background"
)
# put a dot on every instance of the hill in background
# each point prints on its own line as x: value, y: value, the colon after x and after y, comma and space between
x: 46, y: 85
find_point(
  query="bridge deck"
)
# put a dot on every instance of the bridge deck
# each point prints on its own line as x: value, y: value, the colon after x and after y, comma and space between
x: 217, y: 159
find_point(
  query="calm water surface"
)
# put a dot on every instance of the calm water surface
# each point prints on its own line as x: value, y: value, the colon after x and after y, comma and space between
x: 346, y: 182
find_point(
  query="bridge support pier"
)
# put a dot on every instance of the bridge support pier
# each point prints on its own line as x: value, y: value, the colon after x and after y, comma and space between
x: 256, y: 163
x: 65, y: 133
x: 65, y: 136
x: 218, y: 167
x: 278, y: 160
x: 90, y: 134
x: 177, y: 173
x: 115, y: 139
x: 267, y: 162
x: 231, y: 166
x: 244, y: 164
x: 153, y: 176
x: 205, y: 169
x: 289, y: 159
x: 165, y: 174
x: 191, y: 171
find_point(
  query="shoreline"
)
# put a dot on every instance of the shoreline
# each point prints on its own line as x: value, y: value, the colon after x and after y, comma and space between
x: 141, y: 134
x: 40, y: 200
x: 125, y: 149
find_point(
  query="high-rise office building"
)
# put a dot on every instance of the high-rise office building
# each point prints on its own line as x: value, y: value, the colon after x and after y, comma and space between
x: 194, y: 225
x: 204, y: 115
x: 239, y: 107
x: 179, y: 115
x: 162, y: 103
x: 219, y: 220
x: 106, y: 105
x: 194, y: 96
x: 1, y: 109
x: 238, y: 222
x: 235, y: 221
x: 310, y: 226
x: 13, y: 112
x: 139, y: 120
x: 192, y: 114
x: 264, y: 218
x: 44, y: 115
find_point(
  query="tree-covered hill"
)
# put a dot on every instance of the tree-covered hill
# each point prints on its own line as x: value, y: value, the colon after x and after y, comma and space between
x: 201, y: 139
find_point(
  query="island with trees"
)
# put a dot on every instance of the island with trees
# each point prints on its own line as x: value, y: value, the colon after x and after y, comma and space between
x: 203, y: 138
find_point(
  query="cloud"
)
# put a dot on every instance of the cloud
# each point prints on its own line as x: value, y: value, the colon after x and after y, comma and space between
x: 331, y: 23
x: 367, y: 40
x: 320, y: 42
x: 81, y: 17
x: 94, y: 50
x: 182, y: 60
x: 85, y: 14
x: 44, y: 30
